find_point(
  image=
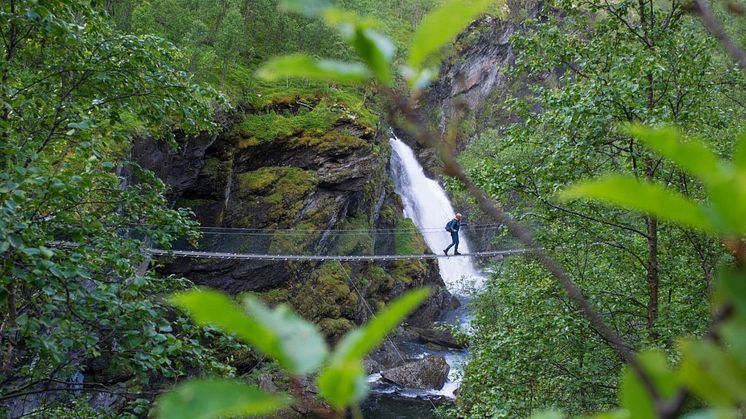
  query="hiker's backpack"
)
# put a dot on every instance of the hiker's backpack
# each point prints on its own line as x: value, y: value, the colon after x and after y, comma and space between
x: 448, y: 227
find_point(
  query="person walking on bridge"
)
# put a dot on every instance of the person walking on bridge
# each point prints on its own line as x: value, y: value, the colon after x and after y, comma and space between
x: 453, y: 227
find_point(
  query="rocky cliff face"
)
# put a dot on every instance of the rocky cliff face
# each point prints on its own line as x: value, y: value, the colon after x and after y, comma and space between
x: 478, y: 66
x: 475, y: 79
x: 312, y: 164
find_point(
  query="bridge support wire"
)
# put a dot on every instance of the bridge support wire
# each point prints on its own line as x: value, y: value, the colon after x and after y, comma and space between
x: 342, y: 258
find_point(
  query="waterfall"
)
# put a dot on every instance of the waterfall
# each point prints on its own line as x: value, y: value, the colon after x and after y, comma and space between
x: 427, y: 204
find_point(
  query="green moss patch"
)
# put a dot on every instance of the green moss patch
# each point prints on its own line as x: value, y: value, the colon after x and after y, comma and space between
x: 273, y: 125
x: 408, y: 240
x: 360, y: 241
x: 296, y: 96
x: 331, y: 141
x: 282, y: 180
x: 311, y: 116
x: 327, y: 299
x: 301, y: 240
x: 406, y: 271
x: 273, y: 194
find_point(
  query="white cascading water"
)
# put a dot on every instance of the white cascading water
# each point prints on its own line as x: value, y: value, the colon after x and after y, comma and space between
x: 427, y: 204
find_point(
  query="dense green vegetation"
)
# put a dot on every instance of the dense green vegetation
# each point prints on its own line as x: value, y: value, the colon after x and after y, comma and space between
x: 545, y: 355
x: 72, y: 288
x: 657, y: 249
x: 224, y: 41
x: 596, y: 68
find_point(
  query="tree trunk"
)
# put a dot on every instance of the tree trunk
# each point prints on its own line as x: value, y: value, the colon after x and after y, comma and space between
x: 652, y: 276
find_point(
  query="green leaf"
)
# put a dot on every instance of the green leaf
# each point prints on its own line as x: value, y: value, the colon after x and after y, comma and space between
x: 635, y: 397
x: 276, y: 333
x: 46, y: 252
x: 614, y: 414
x: 732, y: 288
x: 441, y: 26
x: 204, y: 399
x: 15, y: 240
x: 377, y: 51
x: 712, y: 374
x: 299, y: 339
x: 309, y: 8
x: 342, y: 384
x: 701, y: 384
x: 728, y: 199
x: 650, y: 198
x: 343, y: 381
x: 303, y: 66
x: 84, y: 124
x: 30, y: 251
x: 713, y: 414
x: 357, y: 343
x: 732, y: 333
x: 691, y: 155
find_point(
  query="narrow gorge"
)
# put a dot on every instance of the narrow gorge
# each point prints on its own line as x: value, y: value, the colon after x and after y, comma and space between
x: 238, y: 208
x: 322, y: 163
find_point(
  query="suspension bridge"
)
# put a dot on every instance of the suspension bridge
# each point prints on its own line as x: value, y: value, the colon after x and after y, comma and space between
x: 345, y: 245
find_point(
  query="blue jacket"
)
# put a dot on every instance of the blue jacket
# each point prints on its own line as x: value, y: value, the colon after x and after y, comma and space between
x: 455, y: 225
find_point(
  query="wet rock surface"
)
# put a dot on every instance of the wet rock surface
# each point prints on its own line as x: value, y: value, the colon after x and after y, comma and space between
x: 427, y: 373
x: 438, y: 338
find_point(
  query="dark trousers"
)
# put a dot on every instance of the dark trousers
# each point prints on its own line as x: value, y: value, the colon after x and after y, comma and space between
x: 454, y: 239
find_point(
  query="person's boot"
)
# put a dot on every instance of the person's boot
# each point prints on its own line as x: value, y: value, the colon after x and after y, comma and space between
x: 456, y: 253
x: 445, y: 251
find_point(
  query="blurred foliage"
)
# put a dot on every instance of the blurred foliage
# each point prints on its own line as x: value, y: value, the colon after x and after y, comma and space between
x: 294, y: 342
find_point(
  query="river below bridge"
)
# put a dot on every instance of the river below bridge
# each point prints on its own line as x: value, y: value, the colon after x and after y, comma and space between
x: 427, y: 204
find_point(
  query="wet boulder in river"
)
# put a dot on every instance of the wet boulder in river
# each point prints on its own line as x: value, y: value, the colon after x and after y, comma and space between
x: 437, y: 337
x: 428, y: 373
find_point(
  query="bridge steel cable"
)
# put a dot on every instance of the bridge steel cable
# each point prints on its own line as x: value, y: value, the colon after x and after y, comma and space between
x: 342, y: 258
x: 353, y: 245
x: 345, y: 245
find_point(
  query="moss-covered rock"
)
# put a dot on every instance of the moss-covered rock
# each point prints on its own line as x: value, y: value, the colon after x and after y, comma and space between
x: 310, y: 168
x: 408, y: 240
x: 307, y: 119
x: 354, y: 237
x: 270, y: 196
x: 327, y: 298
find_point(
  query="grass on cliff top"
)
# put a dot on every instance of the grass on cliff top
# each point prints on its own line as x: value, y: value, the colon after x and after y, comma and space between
x: 272, y: 125
x: 327, y: 106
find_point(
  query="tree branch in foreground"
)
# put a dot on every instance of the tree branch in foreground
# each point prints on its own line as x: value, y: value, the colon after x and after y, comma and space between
x: 716, y: 29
